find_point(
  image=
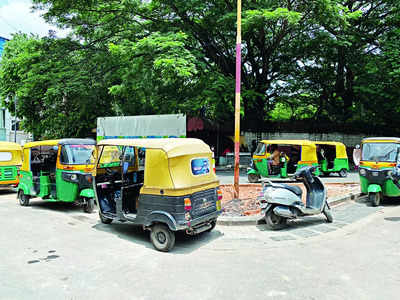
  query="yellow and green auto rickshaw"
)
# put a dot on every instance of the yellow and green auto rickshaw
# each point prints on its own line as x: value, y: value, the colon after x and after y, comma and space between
x: 293, y: 155
x: 10, y: 162
x: 58, y: 170
x: 378, y: 159
x: 172, y: 188
x: 332, y: 158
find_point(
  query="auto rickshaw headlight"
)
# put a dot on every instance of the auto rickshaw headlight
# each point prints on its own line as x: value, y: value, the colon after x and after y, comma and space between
x: 74, y: 177
x: 363, y: 172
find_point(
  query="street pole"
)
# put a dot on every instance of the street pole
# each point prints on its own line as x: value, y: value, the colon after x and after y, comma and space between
x: 237, y: 96
x: 15, y: 118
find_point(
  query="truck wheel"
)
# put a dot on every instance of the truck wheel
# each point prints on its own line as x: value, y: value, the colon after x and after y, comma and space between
x: 104, y: 219
x: 162, y: 238
x: 253, y: 178
x: 328, y: 214
x: 274, y: 221
x: 343, y: 173
x: 375, y: 198
x: 89, y: 205
x: 23, y: 199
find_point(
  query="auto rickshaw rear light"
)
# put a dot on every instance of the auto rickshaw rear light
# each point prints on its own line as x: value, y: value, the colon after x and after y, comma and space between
x: 188, y: 204
x: 219, y: 194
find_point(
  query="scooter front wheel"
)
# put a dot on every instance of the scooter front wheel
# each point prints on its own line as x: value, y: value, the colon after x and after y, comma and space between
x: 274, y: 221
x: 328, y: 214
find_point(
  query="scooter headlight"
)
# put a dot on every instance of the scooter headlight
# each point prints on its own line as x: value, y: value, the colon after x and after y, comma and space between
x: 363, y: 172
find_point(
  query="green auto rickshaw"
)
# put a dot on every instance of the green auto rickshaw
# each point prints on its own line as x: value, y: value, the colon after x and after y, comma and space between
x: 332, y: 158
x: 58, y: 170
x: 378, y: 159
x: 10, y: 162
x: 293, y: 155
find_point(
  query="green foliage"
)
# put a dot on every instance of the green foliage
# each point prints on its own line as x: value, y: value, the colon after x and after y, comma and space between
x: 328, y: 60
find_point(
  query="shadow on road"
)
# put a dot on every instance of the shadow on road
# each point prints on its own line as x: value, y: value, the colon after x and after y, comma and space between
x: 385, y: 202
x: 67, y: 207
x: 184, y: 244
x: 300, y: 223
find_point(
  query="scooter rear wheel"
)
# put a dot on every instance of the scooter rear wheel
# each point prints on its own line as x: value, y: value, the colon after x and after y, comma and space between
x: 274, y: 221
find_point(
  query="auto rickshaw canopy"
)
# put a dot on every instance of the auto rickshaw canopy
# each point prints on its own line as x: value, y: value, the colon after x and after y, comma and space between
x: 168, y: 164
x: 14, y: 157
x: 340, y: 148
x: 308, y: 149
x: 381, y: 140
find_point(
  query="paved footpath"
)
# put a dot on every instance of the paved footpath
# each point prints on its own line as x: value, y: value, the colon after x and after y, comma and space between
x: 55, y: 251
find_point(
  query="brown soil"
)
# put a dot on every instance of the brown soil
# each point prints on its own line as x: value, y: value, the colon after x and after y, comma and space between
x: 247, y: 203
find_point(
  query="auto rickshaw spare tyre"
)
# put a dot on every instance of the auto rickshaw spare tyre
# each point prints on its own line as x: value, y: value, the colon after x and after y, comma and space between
x: 104, y: 219
x: 162, y: 238
x: 328, y: 214
x: 375, y: 198
x: 23, y: 199
x: 274, y: 221
x: 343, y: 173
x: 89, y: 205
x: 253, y: 178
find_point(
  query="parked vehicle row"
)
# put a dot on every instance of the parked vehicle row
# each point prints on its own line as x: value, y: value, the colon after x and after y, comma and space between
x: 282, y: 158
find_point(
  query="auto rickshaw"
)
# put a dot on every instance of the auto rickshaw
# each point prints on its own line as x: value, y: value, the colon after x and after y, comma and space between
x: 294, y: 154
x: 58, y: 170
x: 172, y: 188
x: 378, y: 159
x: 332, y: 158
x: 10, y: 162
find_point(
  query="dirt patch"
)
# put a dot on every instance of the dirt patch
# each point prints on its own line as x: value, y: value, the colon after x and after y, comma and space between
x: 247, y: 203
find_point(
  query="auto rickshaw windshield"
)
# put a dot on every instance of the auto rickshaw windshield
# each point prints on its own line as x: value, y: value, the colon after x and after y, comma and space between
x: 384, y: 152
x: 77, y: 154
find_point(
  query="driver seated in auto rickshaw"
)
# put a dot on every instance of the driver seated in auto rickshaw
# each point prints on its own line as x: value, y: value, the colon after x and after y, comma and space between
x: 274, y: 163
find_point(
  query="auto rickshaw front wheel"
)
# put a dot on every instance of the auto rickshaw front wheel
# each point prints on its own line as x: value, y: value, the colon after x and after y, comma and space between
x: 374, y: 198
x: 104, y: 219
x: 89, y: 205
x: 343, y: 173
x: 253, y: 178
x: 23, y: 199
x: 162, y: 238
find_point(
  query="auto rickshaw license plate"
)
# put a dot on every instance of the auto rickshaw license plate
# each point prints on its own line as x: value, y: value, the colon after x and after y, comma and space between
x: 375, y: 173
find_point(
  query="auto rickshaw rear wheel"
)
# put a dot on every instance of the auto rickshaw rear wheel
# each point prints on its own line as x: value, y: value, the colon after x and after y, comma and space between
x: 23, y: 199
x: 89, y: 205
x: 213, y: 224
x: 343, y: 173
x: 274, y: 221
x: 162, y: 238
x: 253, y: 178
x: 375, y: 198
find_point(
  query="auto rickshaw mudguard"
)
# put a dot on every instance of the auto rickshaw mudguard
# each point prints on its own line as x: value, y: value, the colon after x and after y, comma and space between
x: 252, y: 171
x: 161, y: 217
x: 87, y: 193
x: 374, y: 188
x: 24, y: 187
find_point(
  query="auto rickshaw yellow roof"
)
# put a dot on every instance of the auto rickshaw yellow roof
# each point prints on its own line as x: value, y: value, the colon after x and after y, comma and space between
x: 7, y: 146
x: 173, y: 147
x: 288, y: 142
x: 340, y: 147
x: 42, y: 143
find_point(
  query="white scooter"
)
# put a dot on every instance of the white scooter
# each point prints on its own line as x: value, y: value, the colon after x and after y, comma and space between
x: 280, y: 202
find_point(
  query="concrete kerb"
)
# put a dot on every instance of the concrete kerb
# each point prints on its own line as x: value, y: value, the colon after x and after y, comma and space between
x: 254, y: 220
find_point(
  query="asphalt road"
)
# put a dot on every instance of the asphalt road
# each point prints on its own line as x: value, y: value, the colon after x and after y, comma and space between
x: 226, y: 177
x: 55, y: 251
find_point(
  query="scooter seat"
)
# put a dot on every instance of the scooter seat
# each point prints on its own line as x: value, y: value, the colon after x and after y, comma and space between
x: 293, y: 188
